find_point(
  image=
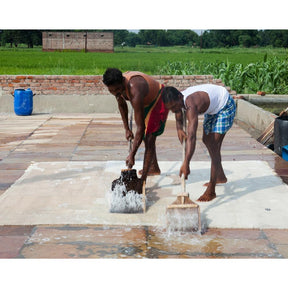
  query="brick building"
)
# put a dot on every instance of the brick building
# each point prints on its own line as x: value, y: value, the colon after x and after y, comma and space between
x: 78, y: 41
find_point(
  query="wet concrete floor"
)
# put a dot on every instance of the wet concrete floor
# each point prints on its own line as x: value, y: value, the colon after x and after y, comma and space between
x: 81, y: 137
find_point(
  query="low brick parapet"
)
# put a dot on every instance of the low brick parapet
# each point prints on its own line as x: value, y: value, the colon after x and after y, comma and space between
x: 54, y: 92
x: 87, y: 84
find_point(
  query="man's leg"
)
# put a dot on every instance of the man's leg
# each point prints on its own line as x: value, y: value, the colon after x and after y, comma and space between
x: 150, y: 164
x: 213, y: 142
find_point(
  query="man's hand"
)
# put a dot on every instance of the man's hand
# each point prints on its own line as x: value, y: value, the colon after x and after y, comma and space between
x: 181, y: 135
x: 129, y: 135
x: 130, y: 161
x: 185, y: 170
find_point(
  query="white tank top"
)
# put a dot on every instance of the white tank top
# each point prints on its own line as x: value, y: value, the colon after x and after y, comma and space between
x: 218, y: 96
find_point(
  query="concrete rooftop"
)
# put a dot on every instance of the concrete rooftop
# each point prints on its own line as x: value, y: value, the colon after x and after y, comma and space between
x: 56, y: 171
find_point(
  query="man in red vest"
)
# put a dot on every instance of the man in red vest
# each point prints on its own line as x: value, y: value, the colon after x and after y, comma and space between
x: 150, y: 113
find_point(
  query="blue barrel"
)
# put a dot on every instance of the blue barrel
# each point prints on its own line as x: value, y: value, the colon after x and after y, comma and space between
x: 23, y: 102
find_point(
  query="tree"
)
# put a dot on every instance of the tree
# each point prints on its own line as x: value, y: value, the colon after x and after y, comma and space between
x: 16, y: 37
x: 148, y: 37
x: 11, y: 37
x: 208, y: 39
x: 32, y: 37
x: 120, y: 36
x: 133, y: 39
x: 182, y: 37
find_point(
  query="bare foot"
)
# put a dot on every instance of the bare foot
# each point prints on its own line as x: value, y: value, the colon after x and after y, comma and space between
x: 207, y: 196
x: 151, y: 173
x: 219, y: 181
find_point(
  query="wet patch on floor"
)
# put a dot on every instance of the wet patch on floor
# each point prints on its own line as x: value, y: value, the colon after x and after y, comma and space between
x: 124, y: 242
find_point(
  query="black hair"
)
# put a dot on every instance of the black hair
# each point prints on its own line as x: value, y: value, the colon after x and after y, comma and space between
x: 170, y: 94
x: 112, y: 76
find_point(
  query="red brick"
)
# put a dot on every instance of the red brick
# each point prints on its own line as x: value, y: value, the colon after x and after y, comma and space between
x: 21, y: 77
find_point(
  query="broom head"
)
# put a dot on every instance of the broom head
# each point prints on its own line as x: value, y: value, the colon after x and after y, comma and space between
x: 183, y: 215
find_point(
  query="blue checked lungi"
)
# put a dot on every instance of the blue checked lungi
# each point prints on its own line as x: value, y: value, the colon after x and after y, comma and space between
x: 222, y: 121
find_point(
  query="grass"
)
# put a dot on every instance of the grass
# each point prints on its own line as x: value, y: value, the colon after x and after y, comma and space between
x: 244, y: 70
x: 149, y: 60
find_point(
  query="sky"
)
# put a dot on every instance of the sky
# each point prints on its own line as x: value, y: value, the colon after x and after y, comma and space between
x: 197, y: 31
x: 124, y: 14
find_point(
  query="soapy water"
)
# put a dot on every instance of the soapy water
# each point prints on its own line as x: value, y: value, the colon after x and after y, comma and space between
x: 177, y: 221
x: 132, y: 202
x: 182, y: 220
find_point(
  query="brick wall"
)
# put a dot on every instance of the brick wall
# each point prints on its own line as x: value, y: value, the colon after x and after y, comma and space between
x: 58, y: 93
x: 53, y: 84
x: 81, y: 85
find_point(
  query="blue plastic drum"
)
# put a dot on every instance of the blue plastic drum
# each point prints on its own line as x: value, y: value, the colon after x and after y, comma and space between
x: 23, y: 102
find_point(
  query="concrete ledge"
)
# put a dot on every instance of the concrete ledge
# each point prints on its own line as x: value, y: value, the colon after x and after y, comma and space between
x: 268, y: 98
x: 65, y: 104
x: 253, y: 115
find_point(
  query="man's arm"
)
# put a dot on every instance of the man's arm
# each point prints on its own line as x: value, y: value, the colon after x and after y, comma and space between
x: 123, y: 108
x: 179, y: 126
x: 138, y: 90
x: 192, y: 117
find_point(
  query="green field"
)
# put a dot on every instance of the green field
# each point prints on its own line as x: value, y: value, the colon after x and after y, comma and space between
x: 232, y: 65
x: 146, y: 59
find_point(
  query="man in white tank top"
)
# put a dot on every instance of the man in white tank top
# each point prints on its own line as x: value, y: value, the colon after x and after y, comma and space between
x: 218, y: 96
x: 219, y: 109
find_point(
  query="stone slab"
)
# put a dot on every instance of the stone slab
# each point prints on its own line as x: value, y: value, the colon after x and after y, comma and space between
x: 78, y: 193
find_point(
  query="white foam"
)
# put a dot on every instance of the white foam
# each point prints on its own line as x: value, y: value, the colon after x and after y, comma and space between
x: 132, y: 202
x: 182, y: 220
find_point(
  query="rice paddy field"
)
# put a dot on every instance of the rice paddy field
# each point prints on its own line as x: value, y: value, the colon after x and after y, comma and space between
x: 246, y: 70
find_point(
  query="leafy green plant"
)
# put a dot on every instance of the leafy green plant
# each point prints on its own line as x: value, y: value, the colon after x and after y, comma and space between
x: 270, y: 75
